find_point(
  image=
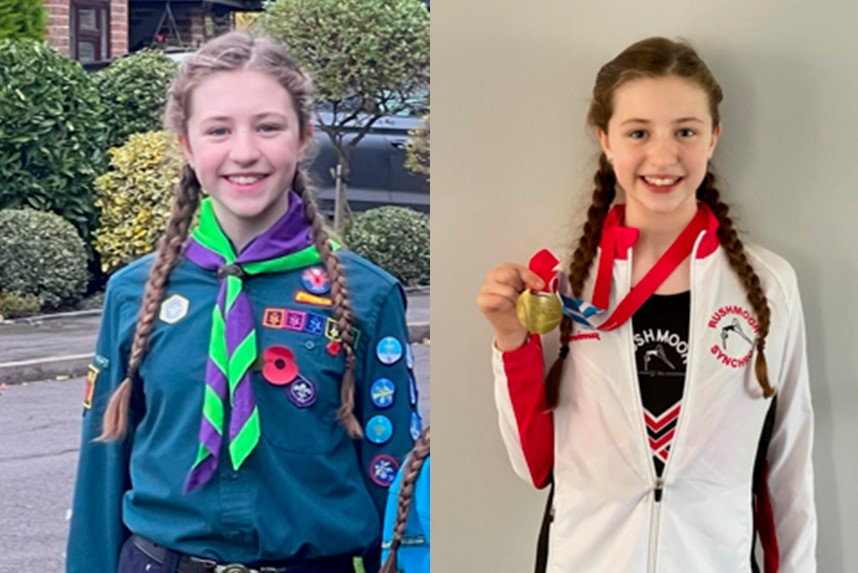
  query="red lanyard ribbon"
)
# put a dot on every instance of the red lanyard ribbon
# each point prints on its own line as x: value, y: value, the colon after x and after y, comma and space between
x: 663, y: 268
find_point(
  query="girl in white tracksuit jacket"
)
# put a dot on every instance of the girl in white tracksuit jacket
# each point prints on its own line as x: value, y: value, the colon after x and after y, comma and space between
x: 676, y: 427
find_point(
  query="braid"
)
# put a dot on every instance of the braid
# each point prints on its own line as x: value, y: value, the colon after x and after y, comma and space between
x: 187, y: 200
x: 406, y: 493
x: 342, y: 303
x: 579, y: 269
x: 729, y: 239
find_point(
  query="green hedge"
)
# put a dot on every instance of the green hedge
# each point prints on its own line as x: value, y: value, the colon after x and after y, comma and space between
x: 23, y: 19
x: 52, y: 138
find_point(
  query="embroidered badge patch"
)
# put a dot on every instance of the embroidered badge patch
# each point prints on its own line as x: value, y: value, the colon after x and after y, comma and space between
x: 274, y: 318
x: 379, y: 430
x: 737, y: 328
x: 307, y: 298
x: 316, y: 280
x: 332, y: 332
x: 296, y: 320
x: 302, y: 392
x: 174, y: 309
x: 382, y: 470
x: 304, y: 321
x: 382, y: 392
x: 89, y: 386
x: 315, y: 324
x: 388, y: 350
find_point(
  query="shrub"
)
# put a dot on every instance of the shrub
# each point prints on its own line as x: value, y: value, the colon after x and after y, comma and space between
x: 51, y: 133
x: 133, y: 90
x: 41, y: 255
x: 23, y: 19
x: 18, y: 306
x: 135, y: 197
x: 394, y: 238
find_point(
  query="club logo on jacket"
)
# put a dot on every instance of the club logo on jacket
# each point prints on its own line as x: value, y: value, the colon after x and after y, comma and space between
x: 660, y: 352
x: 736, y: 328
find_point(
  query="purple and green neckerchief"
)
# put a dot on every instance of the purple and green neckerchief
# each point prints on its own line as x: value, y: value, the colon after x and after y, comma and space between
x: 287, y: 245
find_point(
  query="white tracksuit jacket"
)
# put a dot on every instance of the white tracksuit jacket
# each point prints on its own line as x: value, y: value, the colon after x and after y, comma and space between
x: 606, y: 517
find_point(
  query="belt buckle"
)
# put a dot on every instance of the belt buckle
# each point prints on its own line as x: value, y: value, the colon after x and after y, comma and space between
x: 233, y: 568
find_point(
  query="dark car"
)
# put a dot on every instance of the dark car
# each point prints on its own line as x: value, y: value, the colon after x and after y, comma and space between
x: 377, y: 167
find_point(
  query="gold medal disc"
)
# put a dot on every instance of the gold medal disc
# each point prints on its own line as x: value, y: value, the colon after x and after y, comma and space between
x: 539, y: 312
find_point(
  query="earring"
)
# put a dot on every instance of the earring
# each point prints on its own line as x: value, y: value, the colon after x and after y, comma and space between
x: 611, y: 160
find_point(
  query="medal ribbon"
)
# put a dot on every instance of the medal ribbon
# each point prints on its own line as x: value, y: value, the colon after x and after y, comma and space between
x: 580, y: 311
x: 287, y: 245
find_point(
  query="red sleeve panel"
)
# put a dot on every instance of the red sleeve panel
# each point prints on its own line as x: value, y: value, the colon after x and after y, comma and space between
x: 527, y: 424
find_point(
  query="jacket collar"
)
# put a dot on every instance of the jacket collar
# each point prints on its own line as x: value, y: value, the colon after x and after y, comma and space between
x: 624, y: 238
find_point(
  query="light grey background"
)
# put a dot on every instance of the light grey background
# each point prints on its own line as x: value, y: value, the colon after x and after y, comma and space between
x: 512, y: 159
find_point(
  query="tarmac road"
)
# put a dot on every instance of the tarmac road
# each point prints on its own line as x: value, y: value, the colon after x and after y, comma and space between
x: 38, y: 459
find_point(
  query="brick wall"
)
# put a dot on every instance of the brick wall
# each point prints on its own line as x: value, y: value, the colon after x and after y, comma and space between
x: 59, y: 22
x: 118, y: 28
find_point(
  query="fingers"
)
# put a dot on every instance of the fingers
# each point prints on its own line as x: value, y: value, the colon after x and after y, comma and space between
x: 516, y: 276
x: 504, y: 284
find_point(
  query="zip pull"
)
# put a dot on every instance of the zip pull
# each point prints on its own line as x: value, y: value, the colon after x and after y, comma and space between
x: 659, y: 488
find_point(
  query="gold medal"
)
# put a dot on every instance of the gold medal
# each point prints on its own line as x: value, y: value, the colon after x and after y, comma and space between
x: 539, y: 312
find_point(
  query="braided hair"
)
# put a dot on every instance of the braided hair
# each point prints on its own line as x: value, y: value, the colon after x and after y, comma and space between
x: 406, y: 492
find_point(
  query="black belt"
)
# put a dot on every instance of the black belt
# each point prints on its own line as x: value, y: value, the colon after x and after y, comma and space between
x: 191, y: 564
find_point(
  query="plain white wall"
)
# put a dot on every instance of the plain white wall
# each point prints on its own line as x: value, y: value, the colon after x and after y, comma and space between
x: 512, y: 159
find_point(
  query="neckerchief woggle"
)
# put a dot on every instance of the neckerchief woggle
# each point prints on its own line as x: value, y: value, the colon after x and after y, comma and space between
x: 287, y: 245
x: 583, y: 312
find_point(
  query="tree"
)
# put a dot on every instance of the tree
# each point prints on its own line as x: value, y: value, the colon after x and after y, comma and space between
x: 23, y: 19
x: 368, y: 59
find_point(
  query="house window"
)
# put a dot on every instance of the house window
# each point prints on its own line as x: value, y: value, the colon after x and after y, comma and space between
x: 90, y: 30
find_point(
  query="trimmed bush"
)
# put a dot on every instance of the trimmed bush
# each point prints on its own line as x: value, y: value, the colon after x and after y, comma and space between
x: 51, y: 133
x: 394, y: 238
x: 134, y: 92
x: 135, y: 197
x: 23, y: 19
x: 18, y: 305
x: 41, y: 255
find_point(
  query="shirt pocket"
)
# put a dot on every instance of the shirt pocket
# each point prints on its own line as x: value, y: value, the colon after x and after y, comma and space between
x: 297, y: 386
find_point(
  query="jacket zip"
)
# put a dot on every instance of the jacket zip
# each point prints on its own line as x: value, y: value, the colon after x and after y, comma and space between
x: 658, y: 482
x: 686, y: 388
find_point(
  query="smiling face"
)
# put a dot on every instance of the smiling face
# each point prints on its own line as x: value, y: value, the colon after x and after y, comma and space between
x: 244, y: 141
x: 659, y: 139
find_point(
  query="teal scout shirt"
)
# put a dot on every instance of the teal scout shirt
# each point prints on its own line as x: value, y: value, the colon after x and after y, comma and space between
x: 308, y: 490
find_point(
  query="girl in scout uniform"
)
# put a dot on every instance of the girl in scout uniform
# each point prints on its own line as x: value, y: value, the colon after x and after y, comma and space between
x: 675, y: 426
x: 252, y: 395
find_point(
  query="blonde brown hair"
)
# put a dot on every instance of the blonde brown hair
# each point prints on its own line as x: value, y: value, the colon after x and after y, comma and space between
x: 231, y: 52
x: 416, y: 459
x: 655, y: 58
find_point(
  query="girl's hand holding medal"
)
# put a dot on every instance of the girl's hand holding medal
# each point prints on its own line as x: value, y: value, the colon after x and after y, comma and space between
x: 515, y: 299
